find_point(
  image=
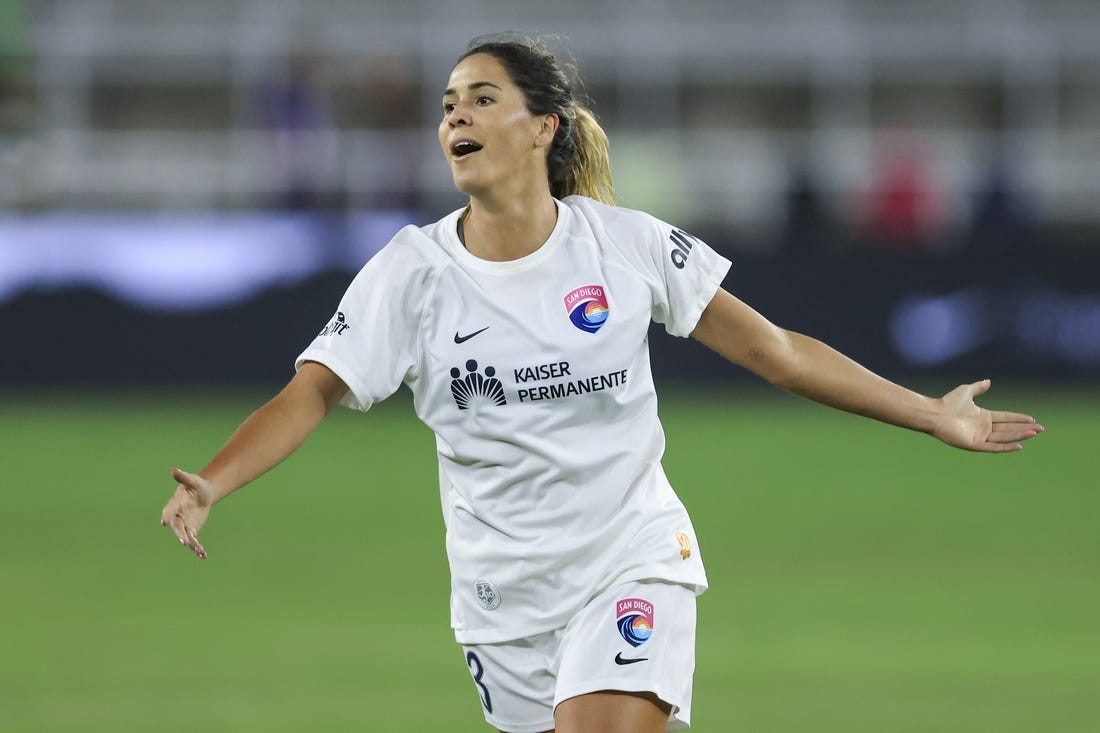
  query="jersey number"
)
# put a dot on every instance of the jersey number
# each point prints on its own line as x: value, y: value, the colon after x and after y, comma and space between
x: 478, y: 671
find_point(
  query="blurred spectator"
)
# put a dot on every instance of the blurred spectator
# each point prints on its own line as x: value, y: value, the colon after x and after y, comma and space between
x: 903, y: 205
x: 19, y: 148
x: 18, y: 110
x: 295, y: 106
x: 1003, y: 219
x: 388, y: 102
x: 809, y: 226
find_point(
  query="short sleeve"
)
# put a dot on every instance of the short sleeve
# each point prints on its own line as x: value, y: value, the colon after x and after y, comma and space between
x: 683, y: 272
x: 371, y: 340
x: 690, y: 273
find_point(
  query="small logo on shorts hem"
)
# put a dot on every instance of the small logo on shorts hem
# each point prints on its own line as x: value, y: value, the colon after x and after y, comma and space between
x: 487, y: 594
x: 619, y: 659
x: 634, y: 617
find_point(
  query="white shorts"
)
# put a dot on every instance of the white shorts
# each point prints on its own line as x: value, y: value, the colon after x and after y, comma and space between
x: 636, y: 637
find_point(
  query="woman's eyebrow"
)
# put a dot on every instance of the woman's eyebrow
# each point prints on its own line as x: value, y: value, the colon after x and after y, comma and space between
x: 476, y: 85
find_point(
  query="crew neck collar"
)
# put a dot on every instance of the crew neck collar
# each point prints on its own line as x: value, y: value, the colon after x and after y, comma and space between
x: 526, y: 262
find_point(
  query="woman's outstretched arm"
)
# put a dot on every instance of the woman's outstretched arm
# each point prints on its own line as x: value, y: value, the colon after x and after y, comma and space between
x: 263, y: 440
x: 807, y: 367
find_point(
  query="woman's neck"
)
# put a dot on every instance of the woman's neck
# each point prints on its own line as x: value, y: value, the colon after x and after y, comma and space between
x: 509, y: 230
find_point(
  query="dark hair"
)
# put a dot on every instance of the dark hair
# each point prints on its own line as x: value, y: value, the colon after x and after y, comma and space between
x: 578, y: 160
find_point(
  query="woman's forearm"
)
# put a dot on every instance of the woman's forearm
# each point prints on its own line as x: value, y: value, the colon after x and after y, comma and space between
x: 275, y: 430
x: 262, y: 441
x: 808, y: 367
x: 818, y: 372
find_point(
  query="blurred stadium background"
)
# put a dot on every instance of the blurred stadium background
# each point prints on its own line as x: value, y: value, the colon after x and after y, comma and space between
x: 187, y: 187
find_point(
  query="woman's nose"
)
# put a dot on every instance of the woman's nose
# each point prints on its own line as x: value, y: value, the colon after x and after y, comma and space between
x: 460, y: 115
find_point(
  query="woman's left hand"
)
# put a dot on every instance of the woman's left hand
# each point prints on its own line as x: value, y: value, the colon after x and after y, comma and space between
x: 968, y: 426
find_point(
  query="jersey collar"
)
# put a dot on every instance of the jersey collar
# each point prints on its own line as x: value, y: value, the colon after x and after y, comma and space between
x: 536, y: 258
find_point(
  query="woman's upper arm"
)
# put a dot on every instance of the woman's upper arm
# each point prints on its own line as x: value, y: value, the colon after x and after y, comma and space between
x: 316, y: 379
x: 731, y: 328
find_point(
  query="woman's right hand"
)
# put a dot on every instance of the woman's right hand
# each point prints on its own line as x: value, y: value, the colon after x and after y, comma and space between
x: 265, y: 438
x: 188, y: 509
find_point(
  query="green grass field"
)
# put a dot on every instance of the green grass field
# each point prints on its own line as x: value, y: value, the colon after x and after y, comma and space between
x: 863, y: 579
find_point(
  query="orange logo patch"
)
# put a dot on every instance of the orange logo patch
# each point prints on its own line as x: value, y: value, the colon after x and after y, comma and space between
x: 685, y: 545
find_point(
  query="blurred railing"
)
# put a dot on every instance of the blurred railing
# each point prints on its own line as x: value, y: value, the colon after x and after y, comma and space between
x: 712, y: 106
x: 738, y: 178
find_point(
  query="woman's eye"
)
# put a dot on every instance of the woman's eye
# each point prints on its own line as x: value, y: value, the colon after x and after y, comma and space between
x: 484, y: 100
x: 448, y: 107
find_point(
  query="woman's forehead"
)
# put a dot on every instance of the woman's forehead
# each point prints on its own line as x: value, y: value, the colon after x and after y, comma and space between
x: 480, y: 67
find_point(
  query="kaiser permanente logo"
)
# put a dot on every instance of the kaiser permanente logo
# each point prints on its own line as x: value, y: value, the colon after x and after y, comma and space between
x: 476, y: 386
x: 556, y: 380
x: 533, y: 383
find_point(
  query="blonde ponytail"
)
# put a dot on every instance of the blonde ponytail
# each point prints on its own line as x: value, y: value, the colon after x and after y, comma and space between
x: 589, y: 172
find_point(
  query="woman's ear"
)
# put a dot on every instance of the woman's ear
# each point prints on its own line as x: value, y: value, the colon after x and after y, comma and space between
x: 548, y: 125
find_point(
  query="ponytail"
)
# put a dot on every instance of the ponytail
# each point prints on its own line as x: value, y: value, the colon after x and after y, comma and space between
x: 589, y: 168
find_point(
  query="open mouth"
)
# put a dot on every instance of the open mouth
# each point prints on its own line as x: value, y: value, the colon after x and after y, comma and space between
x: 461, y: 148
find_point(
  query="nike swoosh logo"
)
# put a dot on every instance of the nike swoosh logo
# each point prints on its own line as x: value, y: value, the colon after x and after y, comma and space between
x: 619, y: 659
x: 464, y: 339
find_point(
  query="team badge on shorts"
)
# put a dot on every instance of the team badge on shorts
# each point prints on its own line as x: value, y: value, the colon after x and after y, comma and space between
x: 634, y: 617
x: 587, y: 307
x: 487, y: 594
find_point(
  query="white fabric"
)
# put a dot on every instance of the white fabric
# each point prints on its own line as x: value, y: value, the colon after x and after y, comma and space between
x: 520, y: 683
x: 545, y: 414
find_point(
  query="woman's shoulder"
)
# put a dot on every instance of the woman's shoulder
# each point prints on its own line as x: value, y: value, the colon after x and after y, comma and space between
x: 442, y: 232
x: 611, y: 212
x: 618, y: 222
x: 418, y: 246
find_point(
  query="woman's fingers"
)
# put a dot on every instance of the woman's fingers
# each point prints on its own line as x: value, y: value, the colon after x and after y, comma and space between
x: 193, y: 541
x: 179, y: 529
x: 186, y: 502
x: 1014, y: 417
x: 1008, y: 432
x: 994, y: 447
x: 188, y: 480
x: 979, y: 388
x: 169, y: 511
x: 187, y: 536
x: 194, y: 544
x: 1013, y: 426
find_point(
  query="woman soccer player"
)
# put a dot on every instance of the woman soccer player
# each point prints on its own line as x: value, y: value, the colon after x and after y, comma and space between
x: 519, y: 323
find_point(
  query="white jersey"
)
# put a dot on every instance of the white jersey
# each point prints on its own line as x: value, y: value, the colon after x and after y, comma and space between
x: 534, y: 375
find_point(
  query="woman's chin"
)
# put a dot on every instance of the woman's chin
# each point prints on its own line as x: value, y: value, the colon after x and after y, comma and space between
x: 468, y: 185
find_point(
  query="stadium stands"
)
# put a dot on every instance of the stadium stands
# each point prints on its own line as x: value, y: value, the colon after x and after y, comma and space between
x: 711, y: 105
